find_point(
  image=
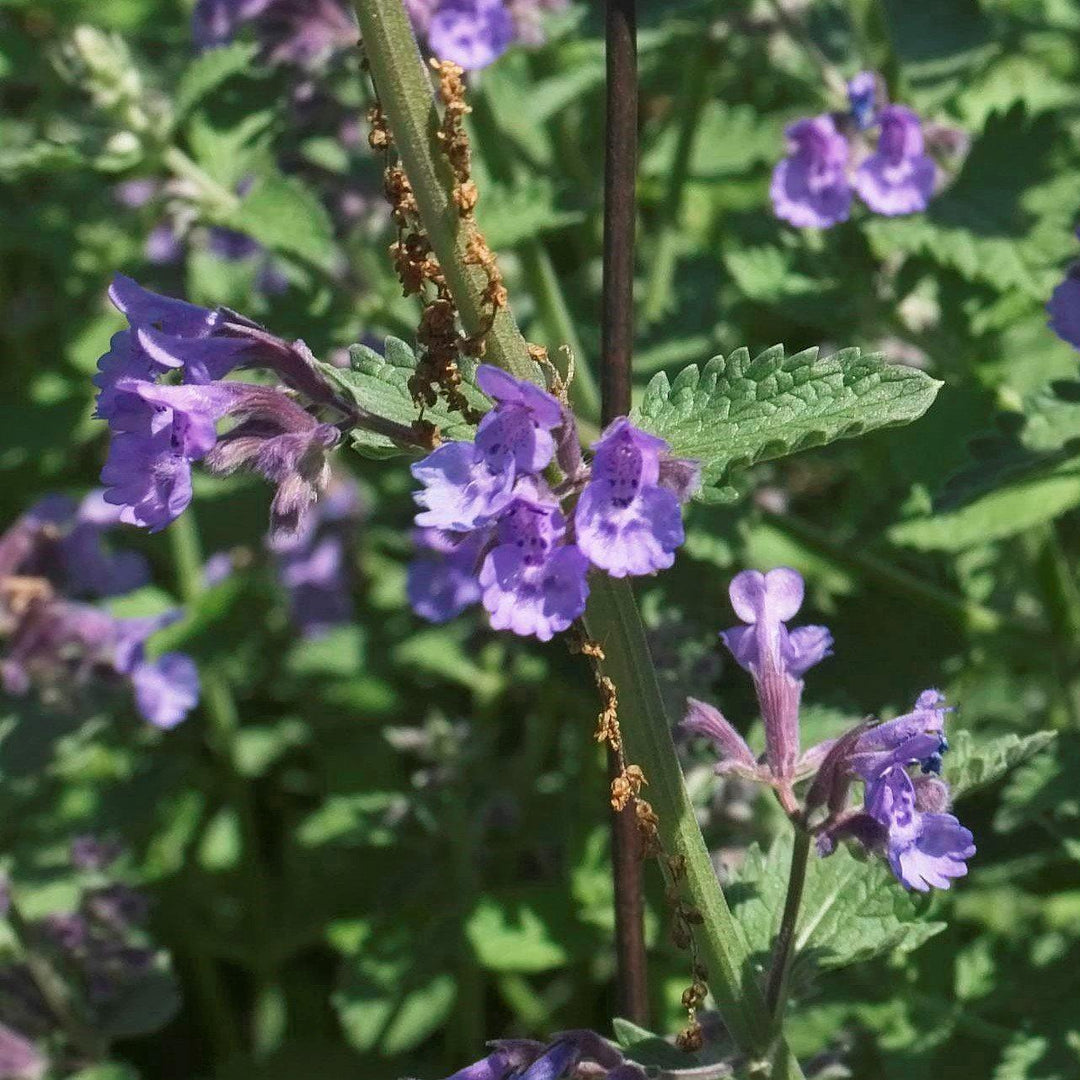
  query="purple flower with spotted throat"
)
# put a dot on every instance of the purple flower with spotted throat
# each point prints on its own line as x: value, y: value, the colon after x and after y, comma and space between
x: 903, y: 816
x: 628, y: 519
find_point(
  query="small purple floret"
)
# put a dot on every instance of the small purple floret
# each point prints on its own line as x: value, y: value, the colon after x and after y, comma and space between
x: 628, y: 523
x: 899, y: 178
x: 532, y: 583
x: 471, y: 33
x: 810, y: 187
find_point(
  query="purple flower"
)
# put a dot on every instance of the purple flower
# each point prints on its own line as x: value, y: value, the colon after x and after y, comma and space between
x: 924, y: 850
x: 532, y: 582
x: 303, y: 32
x: 863, y: 98
x: 776, y: 657
x: 523, y: 1059
x: 460, y: 492
x: 20, y: 1059
x: 466, y: 485
x: 88, y: 853
x: 917, y: 737
x: 160, y: 429
x: 810, y: 187
x: 443, y: 579
x: 899, y: 177
x: 471, y: 33
x: 313, y: 564
x: 1064, y: 308
x: 627, y: 521
x: 166, y: 689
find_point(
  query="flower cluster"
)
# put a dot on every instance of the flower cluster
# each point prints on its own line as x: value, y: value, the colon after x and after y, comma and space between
x: 828, y: 160
x: 471, y: 33
x: 492, y: 530
x: 302, y: 32
x: 52, y: 559
x: 903, y: 816
x: 572, y: 1053
x: 159, y: 427
x: 100, y: 947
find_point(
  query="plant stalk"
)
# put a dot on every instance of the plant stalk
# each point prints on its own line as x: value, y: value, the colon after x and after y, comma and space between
x: 776, y: 989
x: 405, y: 93
x: 617, y: 332
x: 611, y: 617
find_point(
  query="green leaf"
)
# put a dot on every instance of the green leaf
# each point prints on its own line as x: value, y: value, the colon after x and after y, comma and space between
x: 515, y: 935
x: 208, y: 71
x: 647, y: 1048
x: 1044, y: 787
x: 145, y: 1006
x: 852, y: 909
x: 1023, y: 474
x: 521, y: 212
x: 971, y: 765
x: 1005, y: 221
x: 737, y: 411
x: 283, y: 215
x: 380, y: 385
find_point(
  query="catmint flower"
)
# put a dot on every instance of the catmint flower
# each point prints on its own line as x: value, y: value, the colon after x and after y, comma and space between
x: 532, y: 583
x: 904, y: 816
x: 775, y: 657
x: 810, y: 187
x: 899, y: 177
x: 160, y: 428
x: 570, y: 1053
x: 20, y: 1059
x: 302, y: 32
x: 490, y: 527
x: 443, y: 579
x: 471, y: 33
x: 863, y: 98
x: 627, y: 521
x: 313, y: 563
x: 1064, y: 308
x: 466, y: 485
x: 924, y: 849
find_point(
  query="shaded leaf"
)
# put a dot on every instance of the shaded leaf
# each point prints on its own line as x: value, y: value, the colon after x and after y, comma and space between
x: 971, y: 765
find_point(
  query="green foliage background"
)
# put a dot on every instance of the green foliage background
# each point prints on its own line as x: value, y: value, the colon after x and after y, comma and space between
x: 402, y: 852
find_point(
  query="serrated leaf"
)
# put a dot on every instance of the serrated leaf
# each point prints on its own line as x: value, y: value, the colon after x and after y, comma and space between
x: 970, y: 765
x: 852, y: 909
x: 380, y: 385
x: 283, y: 215
x: 737, y: 411
x: 208, y: 71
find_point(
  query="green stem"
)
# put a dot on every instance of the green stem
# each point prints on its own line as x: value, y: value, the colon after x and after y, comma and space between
x: 692, y: 97
x: 796, y: 30
x: 776, y: 990
x: 613, y: 620
x: 218, y: 198
x: 611, y: 617
x: 405, y: 94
